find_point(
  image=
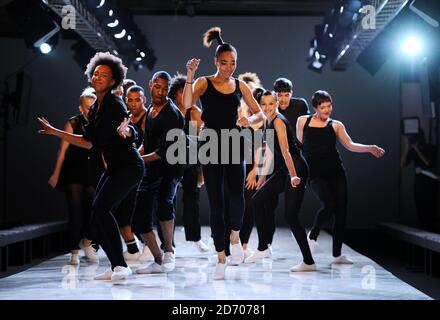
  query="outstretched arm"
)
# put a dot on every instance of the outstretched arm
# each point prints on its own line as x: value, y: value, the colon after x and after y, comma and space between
x: 75, y: 139
x: 348, y: 143
x: 64, y: 145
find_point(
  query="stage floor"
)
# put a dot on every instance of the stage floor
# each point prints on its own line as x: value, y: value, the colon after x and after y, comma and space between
x: 192, y: 279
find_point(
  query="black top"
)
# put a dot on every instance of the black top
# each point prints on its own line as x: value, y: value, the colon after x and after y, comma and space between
x: 80, y: 165
x: 219, y: 110
x: 156, y: 130
x: 297, y: 107
x: 319, y: 149
x: 101, y: 131
x: 140, y: 132
x: 293, y: 149
x: 428, y: 150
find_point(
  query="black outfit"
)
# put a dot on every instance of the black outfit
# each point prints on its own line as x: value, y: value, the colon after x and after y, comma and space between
x: 125, y: 169
x: 219, y: 111
x: 277, y: 183
x: 297, y: 107
x: 79, y: 176
x: 125, y: 210
x: 191, y: 193
x: 425, y: 188
x: 157, y: 190
x: 327, y: 179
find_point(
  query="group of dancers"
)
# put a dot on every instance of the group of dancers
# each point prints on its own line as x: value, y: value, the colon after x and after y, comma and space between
x: 119, y: 138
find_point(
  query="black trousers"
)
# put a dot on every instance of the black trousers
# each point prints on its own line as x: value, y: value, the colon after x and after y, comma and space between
x: 113, y: 187
x: 332, y: 193
x: 191, y: 203
x: 216, y: 175
x: 277, y: 183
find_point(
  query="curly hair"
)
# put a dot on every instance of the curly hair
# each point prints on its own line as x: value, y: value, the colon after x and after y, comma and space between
x: 119, y: 70
x: 250, y: 77
x: 177, y: 83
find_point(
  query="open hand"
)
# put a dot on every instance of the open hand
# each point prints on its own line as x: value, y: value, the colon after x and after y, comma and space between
x: 46, y: 126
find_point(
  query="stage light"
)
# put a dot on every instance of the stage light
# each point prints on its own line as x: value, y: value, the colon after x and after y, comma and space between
x: 412, y: 46
x: 101, y: 4
x: 113, y: 24
x: 45, y: 48
x: 120, y: 35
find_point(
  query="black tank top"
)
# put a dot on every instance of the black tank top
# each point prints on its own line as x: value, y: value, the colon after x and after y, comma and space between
x: 293, y: 149
x: 319, y: 149
x: 80, y: 166
x: 140, y: 132
x: 219, y: 110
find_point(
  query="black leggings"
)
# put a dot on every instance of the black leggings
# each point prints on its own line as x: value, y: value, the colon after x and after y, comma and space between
x: 215, y: 177
x: 277, y: 183
x: 332, y: 192
x: 79, y: 203
x: 191, y: 203
x: 112, y: 188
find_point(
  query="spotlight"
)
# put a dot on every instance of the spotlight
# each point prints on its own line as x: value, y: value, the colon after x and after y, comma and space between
x: 45, y: 48
x: 412, y: 46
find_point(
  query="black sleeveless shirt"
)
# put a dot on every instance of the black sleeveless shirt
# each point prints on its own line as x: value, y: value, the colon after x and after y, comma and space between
x: 219, y: 110
x: 319, y: 149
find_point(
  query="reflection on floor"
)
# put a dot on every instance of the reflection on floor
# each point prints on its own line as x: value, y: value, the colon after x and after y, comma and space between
x: 192, y: 279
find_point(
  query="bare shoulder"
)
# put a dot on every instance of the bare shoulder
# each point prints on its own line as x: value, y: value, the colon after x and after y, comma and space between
x: 337, y: 124
x: 302, y: 119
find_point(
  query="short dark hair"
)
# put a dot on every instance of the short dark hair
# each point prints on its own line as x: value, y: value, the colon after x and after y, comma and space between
x: 177, y: 83
x: 258, y: 93
x: 119, y: 70
x: 215, y: 34
x: 282, y: 85
x: 321, y: 96
x: 163, y: 75
x: 135, y: 88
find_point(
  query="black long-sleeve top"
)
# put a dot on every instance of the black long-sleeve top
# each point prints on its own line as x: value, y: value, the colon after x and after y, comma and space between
x: 156, y: 130
x: 101, y: 131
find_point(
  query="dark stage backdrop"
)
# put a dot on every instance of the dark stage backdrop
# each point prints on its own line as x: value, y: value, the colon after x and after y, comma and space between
x: 270, y: 46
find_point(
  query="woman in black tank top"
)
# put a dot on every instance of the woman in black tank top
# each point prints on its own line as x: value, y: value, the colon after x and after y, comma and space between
x: 318, y: 134
x: 220, y: 96
x: 289, y: 176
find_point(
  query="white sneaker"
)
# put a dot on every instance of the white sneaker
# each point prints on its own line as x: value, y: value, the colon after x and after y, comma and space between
x: 247, y: 253
x: 91, y: 254
x: 146, y: 254
x: 150, y: 268
x: 341, y: 260
x: 201, y: 246
x: 302, y: 267
x: 257, y: 255
x: 220, y: 270
x: 169, y: 261
x: 106, y: 275
x: 313, y: 244
x: 74, y: 259
x: 237, y: 255
x: 131, y: 256
x: 121, y: 273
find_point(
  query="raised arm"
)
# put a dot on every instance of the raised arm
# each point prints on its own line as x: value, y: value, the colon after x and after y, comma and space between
x: 193, y: 89
x: 348, y: 143
x: 254, y: 108
x: 64, y: 145
x: 75, y: 139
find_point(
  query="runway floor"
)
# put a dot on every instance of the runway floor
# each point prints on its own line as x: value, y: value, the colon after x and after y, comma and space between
x: 269, y: 279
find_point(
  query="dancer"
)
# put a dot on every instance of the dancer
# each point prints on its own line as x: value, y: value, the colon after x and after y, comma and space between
x: 109, y: 129
x: 77, y: 173
x: 157, y: 192
x: 318, y: 134
x: 220, y: 96
x: 289, y: 176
